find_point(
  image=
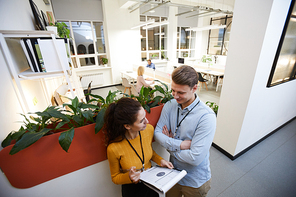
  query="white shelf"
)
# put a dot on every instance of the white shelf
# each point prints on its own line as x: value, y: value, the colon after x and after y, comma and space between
x: 25, y: 34
x: 30, y: 75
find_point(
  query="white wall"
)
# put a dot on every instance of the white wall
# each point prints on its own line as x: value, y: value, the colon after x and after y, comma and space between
x: 248, y: 109
x: 75, y: 10
x: 92, y: 181
x: 123, y: 43
x: 17, y: 15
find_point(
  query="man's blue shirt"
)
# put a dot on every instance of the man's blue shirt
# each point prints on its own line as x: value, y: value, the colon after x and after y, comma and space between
x: 151, y: 66
x: 198, y: 126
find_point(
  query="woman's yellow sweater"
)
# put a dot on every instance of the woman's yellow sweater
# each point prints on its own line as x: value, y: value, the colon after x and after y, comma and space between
x: 122, y: 157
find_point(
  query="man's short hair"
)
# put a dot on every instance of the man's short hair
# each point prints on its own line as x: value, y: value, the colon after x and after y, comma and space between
x: 185, y: 75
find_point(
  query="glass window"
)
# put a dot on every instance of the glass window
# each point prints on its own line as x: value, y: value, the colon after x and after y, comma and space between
x: 185, y: 42
x: 284, y: 65
x: 219, y: 38
x: 87, y: 43
x: 153, y: 40
x: 99, y: 32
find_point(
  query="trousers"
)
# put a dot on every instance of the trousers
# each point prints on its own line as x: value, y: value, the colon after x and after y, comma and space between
x: 179, y: 190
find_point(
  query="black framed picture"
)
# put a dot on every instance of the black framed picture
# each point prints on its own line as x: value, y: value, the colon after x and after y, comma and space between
x: 38, y: 17
x: 284, y: 64
x: 45, y: 21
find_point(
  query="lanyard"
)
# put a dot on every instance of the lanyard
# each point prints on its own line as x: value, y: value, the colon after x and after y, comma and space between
x: 178, y: 124
x: 142, y: 160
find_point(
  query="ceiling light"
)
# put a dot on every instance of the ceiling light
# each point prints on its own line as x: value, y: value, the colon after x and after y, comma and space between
x: 206, y: 27
x: 144, y: 23
x: 156, y: 24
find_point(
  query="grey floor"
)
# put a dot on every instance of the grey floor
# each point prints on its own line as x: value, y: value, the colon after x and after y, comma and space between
x: 268, y: 169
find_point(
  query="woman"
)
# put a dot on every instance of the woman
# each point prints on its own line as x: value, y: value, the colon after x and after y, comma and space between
x: 129, y: 151
x: 140, y: 79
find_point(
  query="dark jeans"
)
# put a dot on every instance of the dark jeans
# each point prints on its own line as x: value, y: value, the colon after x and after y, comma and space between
x: 137, y: 190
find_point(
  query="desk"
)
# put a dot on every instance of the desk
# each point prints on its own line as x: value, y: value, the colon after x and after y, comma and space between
x: 209, y: 72
x: 132, y: 76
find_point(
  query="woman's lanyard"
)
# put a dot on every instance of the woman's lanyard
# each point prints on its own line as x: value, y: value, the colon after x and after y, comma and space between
x: 178, y: 124
x: 142, y: 160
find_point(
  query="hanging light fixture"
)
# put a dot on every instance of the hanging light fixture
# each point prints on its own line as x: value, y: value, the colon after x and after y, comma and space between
x: 165, y: 22
x: 150, y: 21
x: 208, y: 27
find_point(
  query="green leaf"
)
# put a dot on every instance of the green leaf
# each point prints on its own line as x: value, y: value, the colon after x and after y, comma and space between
x: 71, y: 107
x: 78, y: 120
x: 88, y: 115
x: 66, y: 138
x: 17, y: 135
x: 27, y: 140
x: 100, y: 120
x: 75, y: 102
x: 86, y: 106
x: 57, y: 114
x: 100, y: 99
x: 62, y: 123
x: 147, y: 108
x: 156, y: 101
x: 111, y: 96
x: 7, y: 140
x: 159, y: 88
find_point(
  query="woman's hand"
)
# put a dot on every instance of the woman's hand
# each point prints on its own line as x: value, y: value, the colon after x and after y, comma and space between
x: 164, y: 163
x: 134, y: 175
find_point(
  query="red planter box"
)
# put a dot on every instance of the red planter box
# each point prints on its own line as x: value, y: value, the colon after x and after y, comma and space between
x: 46, y: 160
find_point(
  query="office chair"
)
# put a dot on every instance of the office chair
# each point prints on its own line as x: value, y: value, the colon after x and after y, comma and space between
x: 87, y: 91
x: 126, y: 84
x: 134, y: 91
x: 202, y: 81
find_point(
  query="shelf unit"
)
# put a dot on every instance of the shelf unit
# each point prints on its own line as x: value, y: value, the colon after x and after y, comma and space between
x: 29, y: 74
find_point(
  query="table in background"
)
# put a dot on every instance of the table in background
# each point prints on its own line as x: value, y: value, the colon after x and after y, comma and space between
x: 211, y: 72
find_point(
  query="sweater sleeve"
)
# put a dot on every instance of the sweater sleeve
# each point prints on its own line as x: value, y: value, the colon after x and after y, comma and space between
x: 156, y: 158
x: 116, y: 176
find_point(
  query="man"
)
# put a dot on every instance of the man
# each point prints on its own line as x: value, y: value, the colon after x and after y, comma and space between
x: 150, y: 64
x: 186, y: 129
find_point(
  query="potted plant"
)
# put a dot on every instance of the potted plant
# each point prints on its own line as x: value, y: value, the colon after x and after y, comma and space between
x: 51, y: 26
x: 213, y: 106
x: 62, y: 29
x: 104, y: 61
x: 38, y: 143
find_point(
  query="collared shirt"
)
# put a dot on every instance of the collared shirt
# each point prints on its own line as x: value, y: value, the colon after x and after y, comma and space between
x: 151, y: 66
x: 199, y: 126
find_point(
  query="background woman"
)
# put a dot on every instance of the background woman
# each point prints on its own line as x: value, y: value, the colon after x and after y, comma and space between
x: 129, y: 151
x: 140, y: 79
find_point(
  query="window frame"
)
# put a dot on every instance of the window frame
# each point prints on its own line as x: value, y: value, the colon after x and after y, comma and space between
x: 223, y: 37
x: 189, y: 50
x: 158, y: 51
x: 94, y: 55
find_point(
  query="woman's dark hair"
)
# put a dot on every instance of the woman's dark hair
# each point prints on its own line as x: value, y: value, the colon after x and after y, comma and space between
x: 124, y: 111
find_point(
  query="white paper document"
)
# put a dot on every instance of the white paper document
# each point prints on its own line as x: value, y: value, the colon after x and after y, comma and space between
x: 161, y: 179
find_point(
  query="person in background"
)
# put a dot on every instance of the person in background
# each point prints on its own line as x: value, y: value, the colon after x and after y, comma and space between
x: 150, y: 64
x: 129, y: 138
x: 140, y: 79
x: 186, y: 129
